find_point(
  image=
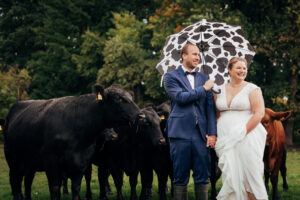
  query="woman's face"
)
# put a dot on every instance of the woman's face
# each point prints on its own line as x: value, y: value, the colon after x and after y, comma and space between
x: 238, y: 71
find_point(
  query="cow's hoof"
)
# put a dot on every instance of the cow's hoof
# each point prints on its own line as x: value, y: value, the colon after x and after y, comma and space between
x: 120, y: 197
x: 88, y: 196
x: 163, y: 196
x: 27, y: 197
x: 103, y: 198
x: 108, y: 190
x: 133, y: 197
x: 285, y: 187
x: 18, y: 197
x: 148, y: 194
x: 65, y: 192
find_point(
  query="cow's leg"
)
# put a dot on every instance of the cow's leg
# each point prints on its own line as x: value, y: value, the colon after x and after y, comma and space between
x: 146, y: 179
x: 107, y: 185
x: 267, y: 177
x: 213, y: 176
x: 28, y: 182
x: 117, y: 175
x: 171, y: 178
x: 15, y: 178
x: 133, y: 183
x: 266, y: 167
x: 101, y: 178
x: 54, y: 176
x: 162, y: 182
x: 65, y: 185
x: 88, y: 176
x: 76, y: 184
x: 274, y: 181
x: 283, y: 171
x: 54, y: 186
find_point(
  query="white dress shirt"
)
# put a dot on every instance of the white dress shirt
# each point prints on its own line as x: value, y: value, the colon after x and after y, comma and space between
x: 190, y: 77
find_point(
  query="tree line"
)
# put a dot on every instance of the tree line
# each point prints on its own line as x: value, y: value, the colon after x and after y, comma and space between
x: 54, y: 48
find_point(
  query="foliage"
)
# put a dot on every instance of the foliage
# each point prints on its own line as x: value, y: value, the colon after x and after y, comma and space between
x: 67, y: 46
x: 90, y: 58
x: 125, y: 61
x: 14, y: 85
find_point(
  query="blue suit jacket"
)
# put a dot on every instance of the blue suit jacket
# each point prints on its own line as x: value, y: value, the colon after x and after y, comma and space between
x: 189, y: 106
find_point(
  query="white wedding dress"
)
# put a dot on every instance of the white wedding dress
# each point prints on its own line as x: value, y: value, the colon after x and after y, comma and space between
x: 240, y: 155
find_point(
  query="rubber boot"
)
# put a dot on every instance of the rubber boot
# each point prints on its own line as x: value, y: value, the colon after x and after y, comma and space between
x: 201, y: 192
x: 180, y: 193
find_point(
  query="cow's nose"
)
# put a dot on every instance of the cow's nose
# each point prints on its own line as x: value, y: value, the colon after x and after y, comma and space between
x: 115, y: 136
x: 162, y: 141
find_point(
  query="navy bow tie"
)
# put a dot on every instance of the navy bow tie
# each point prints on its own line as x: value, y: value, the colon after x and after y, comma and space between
x: 191, y: 73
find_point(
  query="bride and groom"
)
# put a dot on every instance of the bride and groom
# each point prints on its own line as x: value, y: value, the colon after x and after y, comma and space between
x: 192, y: 129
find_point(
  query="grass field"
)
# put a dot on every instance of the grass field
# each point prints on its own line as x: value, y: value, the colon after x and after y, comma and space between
x: 40, y: 186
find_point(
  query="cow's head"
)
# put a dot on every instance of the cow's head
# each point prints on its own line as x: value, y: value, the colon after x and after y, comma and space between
x: 270, y: 116
x: 148, y: 127
x: 272, y: 123
x: 118, y: 105
x: 163, y: 111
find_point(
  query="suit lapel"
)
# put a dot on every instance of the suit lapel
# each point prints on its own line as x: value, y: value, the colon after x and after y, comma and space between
x: 183, y: 78
x: 198, y: 80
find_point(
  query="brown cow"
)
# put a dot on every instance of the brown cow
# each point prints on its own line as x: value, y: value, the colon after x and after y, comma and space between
x: 275, y: 152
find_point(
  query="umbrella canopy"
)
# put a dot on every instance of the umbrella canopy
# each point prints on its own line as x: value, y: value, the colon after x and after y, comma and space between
x: 217, y: 42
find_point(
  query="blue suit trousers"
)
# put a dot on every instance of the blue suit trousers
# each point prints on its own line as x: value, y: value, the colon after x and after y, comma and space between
x: 188, y: 154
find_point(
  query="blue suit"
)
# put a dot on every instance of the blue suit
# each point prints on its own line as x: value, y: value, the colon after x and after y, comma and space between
x: 192, y: 117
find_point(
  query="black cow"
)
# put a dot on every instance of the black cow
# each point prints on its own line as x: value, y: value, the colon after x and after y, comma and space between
x: 59, y: 136
x: 158, y: 159
x: 126, y: 154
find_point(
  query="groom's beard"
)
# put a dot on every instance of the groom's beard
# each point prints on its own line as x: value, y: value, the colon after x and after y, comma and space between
x: 189, y: 65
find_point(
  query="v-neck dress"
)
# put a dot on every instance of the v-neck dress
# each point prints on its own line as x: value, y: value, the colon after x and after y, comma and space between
x: 240, y: 155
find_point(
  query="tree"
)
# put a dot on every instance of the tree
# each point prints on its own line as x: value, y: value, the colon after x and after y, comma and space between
x: 90, y: 58
x: 18, y: 20
x: 123, y: 55
x: 14, y: 85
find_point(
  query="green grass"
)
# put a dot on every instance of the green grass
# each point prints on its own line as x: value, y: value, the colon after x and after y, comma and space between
x: 40, y: 186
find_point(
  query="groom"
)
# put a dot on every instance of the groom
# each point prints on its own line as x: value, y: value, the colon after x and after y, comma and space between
x: 191, y: 124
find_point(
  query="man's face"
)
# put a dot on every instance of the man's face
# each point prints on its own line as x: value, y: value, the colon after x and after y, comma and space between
x: 192, y: 57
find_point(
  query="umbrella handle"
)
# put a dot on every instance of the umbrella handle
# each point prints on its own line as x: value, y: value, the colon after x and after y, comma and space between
x: 216, y: 92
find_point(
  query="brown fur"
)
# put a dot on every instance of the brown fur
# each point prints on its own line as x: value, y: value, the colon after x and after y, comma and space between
x: 275, y: 145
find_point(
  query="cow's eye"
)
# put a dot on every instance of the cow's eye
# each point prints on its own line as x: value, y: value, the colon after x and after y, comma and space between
x: 266, y: 122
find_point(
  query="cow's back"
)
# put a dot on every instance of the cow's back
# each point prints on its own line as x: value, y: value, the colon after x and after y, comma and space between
x: 36, y: 127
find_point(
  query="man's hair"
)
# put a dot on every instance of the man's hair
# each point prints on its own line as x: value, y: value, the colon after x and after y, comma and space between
x: 185, y: 49
x: 235, y: 60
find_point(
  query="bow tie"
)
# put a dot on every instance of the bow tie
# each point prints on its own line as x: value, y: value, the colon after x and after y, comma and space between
x: 191, y: 73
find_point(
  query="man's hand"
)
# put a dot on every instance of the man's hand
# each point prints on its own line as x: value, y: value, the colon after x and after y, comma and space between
x: 209, y: 84
x: 211, y: 141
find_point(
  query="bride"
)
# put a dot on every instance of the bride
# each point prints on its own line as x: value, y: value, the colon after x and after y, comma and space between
x: 241, y: 137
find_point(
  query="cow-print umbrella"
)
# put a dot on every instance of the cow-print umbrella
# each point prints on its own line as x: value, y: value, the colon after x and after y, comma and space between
x: 217, y: 42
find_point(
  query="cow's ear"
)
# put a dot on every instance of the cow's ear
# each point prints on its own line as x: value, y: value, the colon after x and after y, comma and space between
x: 99, y: 91
x: 142, y: 118
x: 282, y: 116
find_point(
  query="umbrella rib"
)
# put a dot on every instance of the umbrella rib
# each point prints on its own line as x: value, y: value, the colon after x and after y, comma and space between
x: 240, y: 49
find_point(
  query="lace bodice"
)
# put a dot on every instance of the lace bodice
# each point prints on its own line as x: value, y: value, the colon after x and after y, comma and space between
x: 239, y: 102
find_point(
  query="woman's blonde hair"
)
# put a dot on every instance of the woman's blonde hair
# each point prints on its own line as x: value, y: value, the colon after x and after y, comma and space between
x: 235, y: 60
